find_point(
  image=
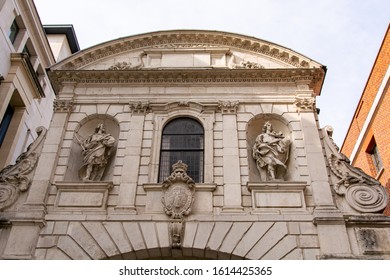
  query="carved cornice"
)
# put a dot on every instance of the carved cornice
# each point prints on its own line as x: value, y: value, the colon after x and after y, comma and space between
x: 187, y: 39
x: 189, y: 76
x: 63, y: 106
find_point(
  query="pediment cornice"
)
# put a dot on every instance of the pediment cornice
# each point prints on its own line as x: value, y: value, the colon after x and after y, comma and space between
x: 313, y: 77
x: 178, y: 39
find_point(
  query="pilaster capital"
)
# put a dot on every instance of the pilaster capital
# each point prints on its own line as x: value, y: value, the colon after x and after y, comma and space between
x: 228, y: 107
x: 139, y: 107
x: 305, y: 104
x: 63, y: 106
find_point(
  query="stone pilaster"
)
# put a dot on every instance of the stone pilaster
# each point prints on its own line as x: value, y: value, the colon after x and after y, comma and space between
x: 231, y: 162
x: 132, y: 158
x: 30, y: 218
x: 327, y: 217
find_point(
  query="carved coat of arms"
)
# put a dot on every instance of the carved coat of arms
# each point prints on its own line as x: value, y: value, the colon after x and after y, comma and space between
x: 179, y: 191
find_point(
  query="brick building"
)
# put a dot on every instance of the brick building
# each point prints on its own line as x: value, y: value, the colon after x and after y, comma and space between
x: 367, y: 141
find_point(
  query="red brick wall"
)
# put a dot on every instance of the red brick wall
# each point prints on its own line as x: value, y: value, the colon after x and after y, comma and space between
x: 380, y: 126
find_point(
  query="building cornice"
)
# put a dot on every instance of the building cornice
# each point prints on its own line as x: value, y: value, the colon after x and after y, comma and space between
x: 313, y: 77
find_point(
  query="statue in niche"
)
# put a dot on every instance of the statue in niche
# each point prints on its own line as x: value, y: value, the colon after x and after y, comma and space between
x: 96, y: 152
x: 270, y: 151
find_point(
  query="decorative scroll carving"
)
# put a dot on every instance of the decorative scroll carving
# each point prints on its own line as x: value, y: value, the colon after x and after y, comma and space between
x: 63, y: 106
x: 177, y: 232
x: 139, y: 107
x: 248, y: 65
x: 228, y: 107
x: 362, y: 192
x: 96, y: 152
x: 179, y: 191
x: 305, y: 104
x: 121, y: 66
x: 270, y: 151
x: 17, y: 178
x: 128, y: 65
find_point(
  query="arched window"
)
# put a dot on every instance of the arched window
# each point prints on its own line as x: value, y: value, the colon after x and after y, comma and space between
x: 182, y: 139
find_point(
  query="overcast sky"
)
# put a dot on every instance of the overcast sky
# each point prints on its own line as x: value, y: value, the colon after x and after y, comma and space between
x: 344, y: 35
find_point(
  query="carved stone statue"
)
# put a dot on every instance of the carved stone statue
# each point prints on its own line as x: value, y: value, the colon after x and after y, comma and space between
x: 96, y: 152
x: 270, y: 151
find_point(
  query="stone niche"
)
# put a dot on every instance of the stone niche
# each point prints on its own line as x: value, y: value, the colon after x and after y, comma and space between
x: 254, y: 128
x: 82, y: 131
x: 282, y: 193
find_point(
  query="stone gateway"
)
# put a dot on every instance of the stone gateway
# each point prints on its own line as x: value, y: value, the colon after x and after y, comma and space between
x: 189, y: 144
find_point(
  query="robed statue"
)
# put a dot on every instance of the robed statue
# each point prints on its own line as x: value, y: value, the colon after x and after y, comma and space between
x: 96, y: 152
x: 270, y: 151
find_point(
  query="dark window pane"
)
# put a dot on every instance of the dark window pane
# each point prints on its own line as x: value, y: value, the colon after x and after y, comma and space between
x: 183, y: 140
x: 5, y: 123
x: 13, y: 31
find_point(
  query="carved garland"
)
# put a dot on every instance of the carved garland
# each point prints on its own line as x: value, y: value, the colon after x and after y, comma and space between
x: 17, y: 178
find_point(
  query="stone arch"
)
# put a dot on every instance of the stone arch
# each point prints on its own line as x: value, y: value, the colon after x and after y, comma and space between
x: 254, y: 128
x: 202, y: 240
x: 82, y: 131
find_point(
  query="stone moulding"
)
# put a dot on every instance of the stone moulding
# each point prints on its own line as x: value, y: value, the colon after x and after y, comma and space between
x: 362, y: 192
x: 17, y: 178
x: 82, y: 195
x: 314, y: 76
x: 277, y: 196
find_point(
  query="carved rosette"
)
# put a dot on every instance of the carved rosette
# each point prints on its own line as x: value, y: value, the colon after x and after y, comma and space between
x: 178, y: 189
x: 362, y: 192
x: 63, y: 106
x: 17, y: 178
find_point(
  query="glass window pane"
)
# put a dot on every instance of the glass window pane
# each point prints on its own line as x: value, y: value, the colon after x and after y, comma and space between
x: 13, y: 32
x: 183, y: 140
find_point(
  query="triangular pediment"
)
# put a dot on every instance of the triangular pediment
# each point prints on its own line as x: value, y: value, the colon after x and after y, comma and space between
x: 186, y: 49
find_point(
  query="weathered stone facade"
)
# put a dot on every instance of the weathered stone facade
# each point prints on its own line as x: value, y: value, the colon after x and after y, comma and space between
x: 232, y: 85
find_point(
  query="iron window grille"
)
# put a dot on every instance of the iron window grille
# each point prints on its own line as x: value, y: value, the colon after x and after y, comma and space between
x: 182, y: 139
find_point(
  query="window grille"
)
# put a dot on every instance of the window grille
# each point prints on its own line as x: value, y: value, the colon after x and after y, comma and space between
x: 182, y: 139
